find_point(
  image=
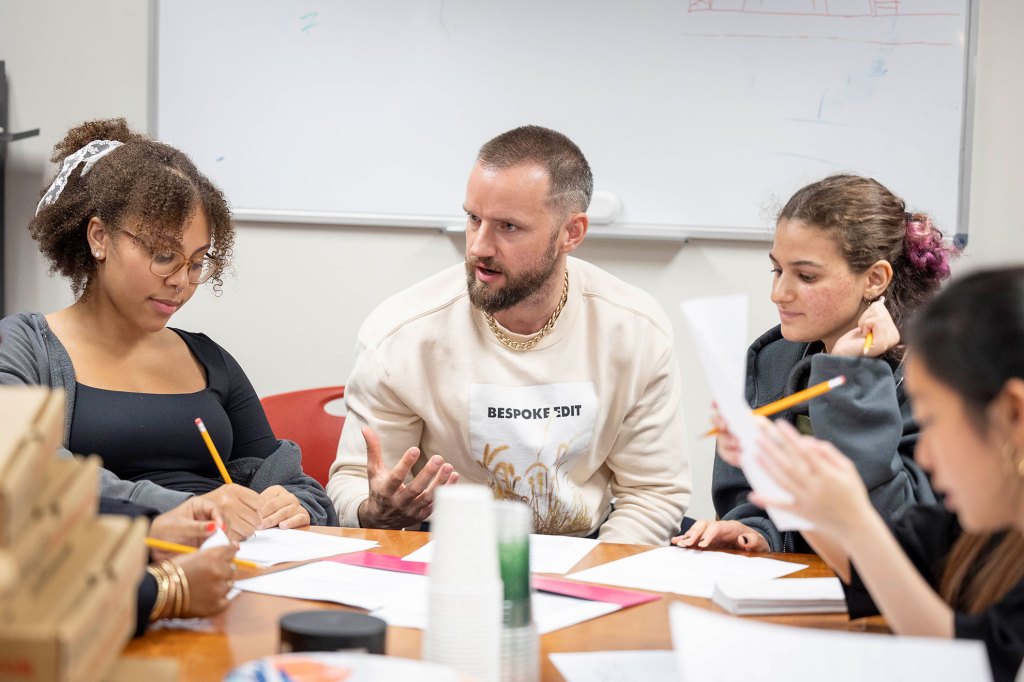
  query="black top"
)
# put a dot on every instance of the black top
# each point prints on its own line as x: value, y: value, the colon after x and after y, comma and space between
x: 154, y: 436
x: 927, y: 534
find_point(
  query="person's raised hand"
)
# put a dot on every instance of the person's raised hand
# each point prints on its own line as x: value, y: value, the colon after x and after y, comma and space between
x: 884, y: 334
x: 280, y: 508
x: 722, y: 535
x: 393, y: 503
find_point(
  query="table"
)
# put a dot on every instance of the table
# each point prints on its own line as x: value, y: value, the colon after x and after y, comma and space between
x: 248, y: 628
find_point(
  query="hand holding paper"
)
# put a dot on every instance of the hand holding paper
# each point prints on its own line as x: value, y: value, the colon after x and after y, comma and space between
x: 719, y: 329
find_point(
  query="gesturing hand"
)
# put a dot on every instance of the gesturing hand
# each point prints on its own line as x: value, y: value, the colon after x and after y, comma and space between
x: 392, y: 502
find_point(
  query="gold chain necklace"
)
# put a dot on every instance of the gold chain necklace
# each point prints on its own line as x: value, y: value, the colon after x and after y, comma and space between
x: 535, y: 339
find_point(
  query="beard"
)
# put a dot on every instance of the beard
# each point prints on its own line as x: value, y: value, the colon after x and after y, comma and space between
x: 518, y: 287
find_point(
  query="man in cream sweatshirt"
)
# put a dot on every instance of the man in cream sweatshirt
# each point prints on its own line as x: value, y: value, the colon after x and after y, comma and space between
x: 523, y: 369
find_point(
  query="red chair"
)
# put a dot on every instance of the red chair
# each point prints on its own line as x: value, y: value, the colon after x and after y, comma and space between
x: 300, y: 416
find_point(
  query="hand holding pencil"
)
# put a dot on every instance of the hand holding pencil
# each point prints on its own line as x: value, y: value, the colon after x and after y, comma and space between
x: 875, y: 333
x: 784, y: 403
x: 240, y: 505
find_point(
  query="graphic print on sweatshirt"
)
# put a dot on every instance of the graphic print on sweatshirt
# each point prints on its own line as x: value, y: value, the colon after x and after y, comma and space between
x: 528, y: 439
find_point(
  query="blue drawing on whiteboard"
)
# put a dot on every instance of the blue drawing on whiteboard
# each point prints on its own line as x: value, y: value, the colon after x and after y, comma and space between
x: 310, y: 21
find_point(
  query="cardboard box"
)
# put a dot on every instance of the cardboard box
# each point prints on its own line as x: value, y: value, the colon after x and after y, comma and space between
x: 69, y: 498
x: 74, y: 622
x: 31, y: 430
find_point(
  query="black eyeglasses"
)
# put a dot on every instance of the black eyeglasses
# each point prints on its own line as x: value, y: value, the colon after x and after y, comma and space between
x: 166, y: 263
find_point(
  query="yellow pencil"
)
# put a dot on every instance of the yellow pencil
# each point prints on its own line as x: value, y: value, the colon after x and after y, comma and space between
x: 794, y: 399
x: 185, y: 549
x: 868, y: 340
x: 213, y: 451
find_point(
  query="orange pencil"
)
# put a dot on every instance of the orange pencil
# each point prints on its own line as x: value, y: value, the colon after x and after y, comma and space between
x: 213, y: 451
x: 185, y: 549
x: 868, y: 340
x: 794, y: 399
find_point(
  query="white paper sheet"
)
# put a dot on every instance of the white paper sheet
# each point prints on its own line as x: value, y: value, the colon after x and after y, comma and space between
x: 684, y: 571
x: 718, y: 326
x: 278, y: 545
x: 706, y: 646
x: 401, y: 598
x: 548, y: 553
x: 617, y: 666
x: 342, y: 584
x: 550, y: 612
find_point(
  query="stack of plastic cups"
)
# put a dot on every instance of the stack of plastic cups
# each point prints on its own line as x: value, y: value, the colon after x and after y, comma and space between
x: 465, y: 594
x: 520, y: 645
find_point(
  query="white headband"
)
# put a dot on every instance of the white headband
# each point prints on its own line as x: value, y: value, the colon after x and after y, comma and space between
x: 89, y: 154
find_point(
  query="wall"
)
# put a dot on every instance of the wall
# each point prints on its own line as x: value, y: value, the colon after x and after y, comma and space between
x: 291, y: 311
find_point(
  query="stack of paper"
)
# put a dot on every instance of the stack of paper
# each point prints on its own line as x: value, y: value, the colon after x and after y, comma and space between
x: 793, y: 595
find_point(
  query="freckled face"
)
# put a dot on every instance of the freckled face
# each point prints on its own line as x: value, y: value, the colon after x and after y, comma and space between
x: 977, y: 478
x: 818, y: 296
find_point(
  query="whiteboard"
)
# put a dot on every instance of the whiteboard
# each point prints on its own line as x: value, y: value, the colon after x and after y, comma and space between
x: 699, y: 115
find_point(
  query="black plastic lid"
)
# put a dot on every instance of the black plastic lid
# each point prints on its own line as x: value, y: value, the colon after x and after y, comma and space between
x: 332, y: 631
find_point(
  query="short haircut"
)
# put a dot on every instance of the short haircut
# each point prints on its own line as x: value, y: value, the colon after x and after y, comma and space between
x: 572, y: 183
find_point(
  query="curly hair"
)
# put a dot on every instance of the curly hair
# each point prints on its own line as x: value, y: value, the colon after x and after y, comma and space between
x: 146, y: 186
x: 870, y: 224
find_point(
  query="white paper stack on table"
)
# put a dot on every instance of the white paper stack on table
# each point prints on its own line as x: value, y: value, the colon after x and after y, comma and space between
x: 767, y: 597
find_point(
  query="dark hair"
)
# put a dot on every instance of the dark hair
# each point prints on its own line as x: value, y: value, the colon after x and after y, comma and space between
x: 149, y: 183
x: 971, y: 338
x: 870, y: 224
x: 572, y: 183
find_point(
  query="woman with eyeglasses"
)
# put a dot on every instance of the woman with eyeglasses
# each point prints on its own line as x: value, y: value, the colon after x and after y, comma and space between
x: 136, y: 228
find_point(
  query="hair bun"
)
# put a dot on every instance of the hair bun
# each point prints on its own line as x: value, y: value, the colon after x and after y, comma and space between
x: 101, y: 129
x: 924, y: 247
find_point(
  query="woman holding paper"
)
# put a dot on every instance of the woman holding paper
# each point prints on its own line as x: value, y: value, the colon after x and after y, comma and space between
x: 136, y: 228
x: 956, y: 571
x: 848, y: 261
